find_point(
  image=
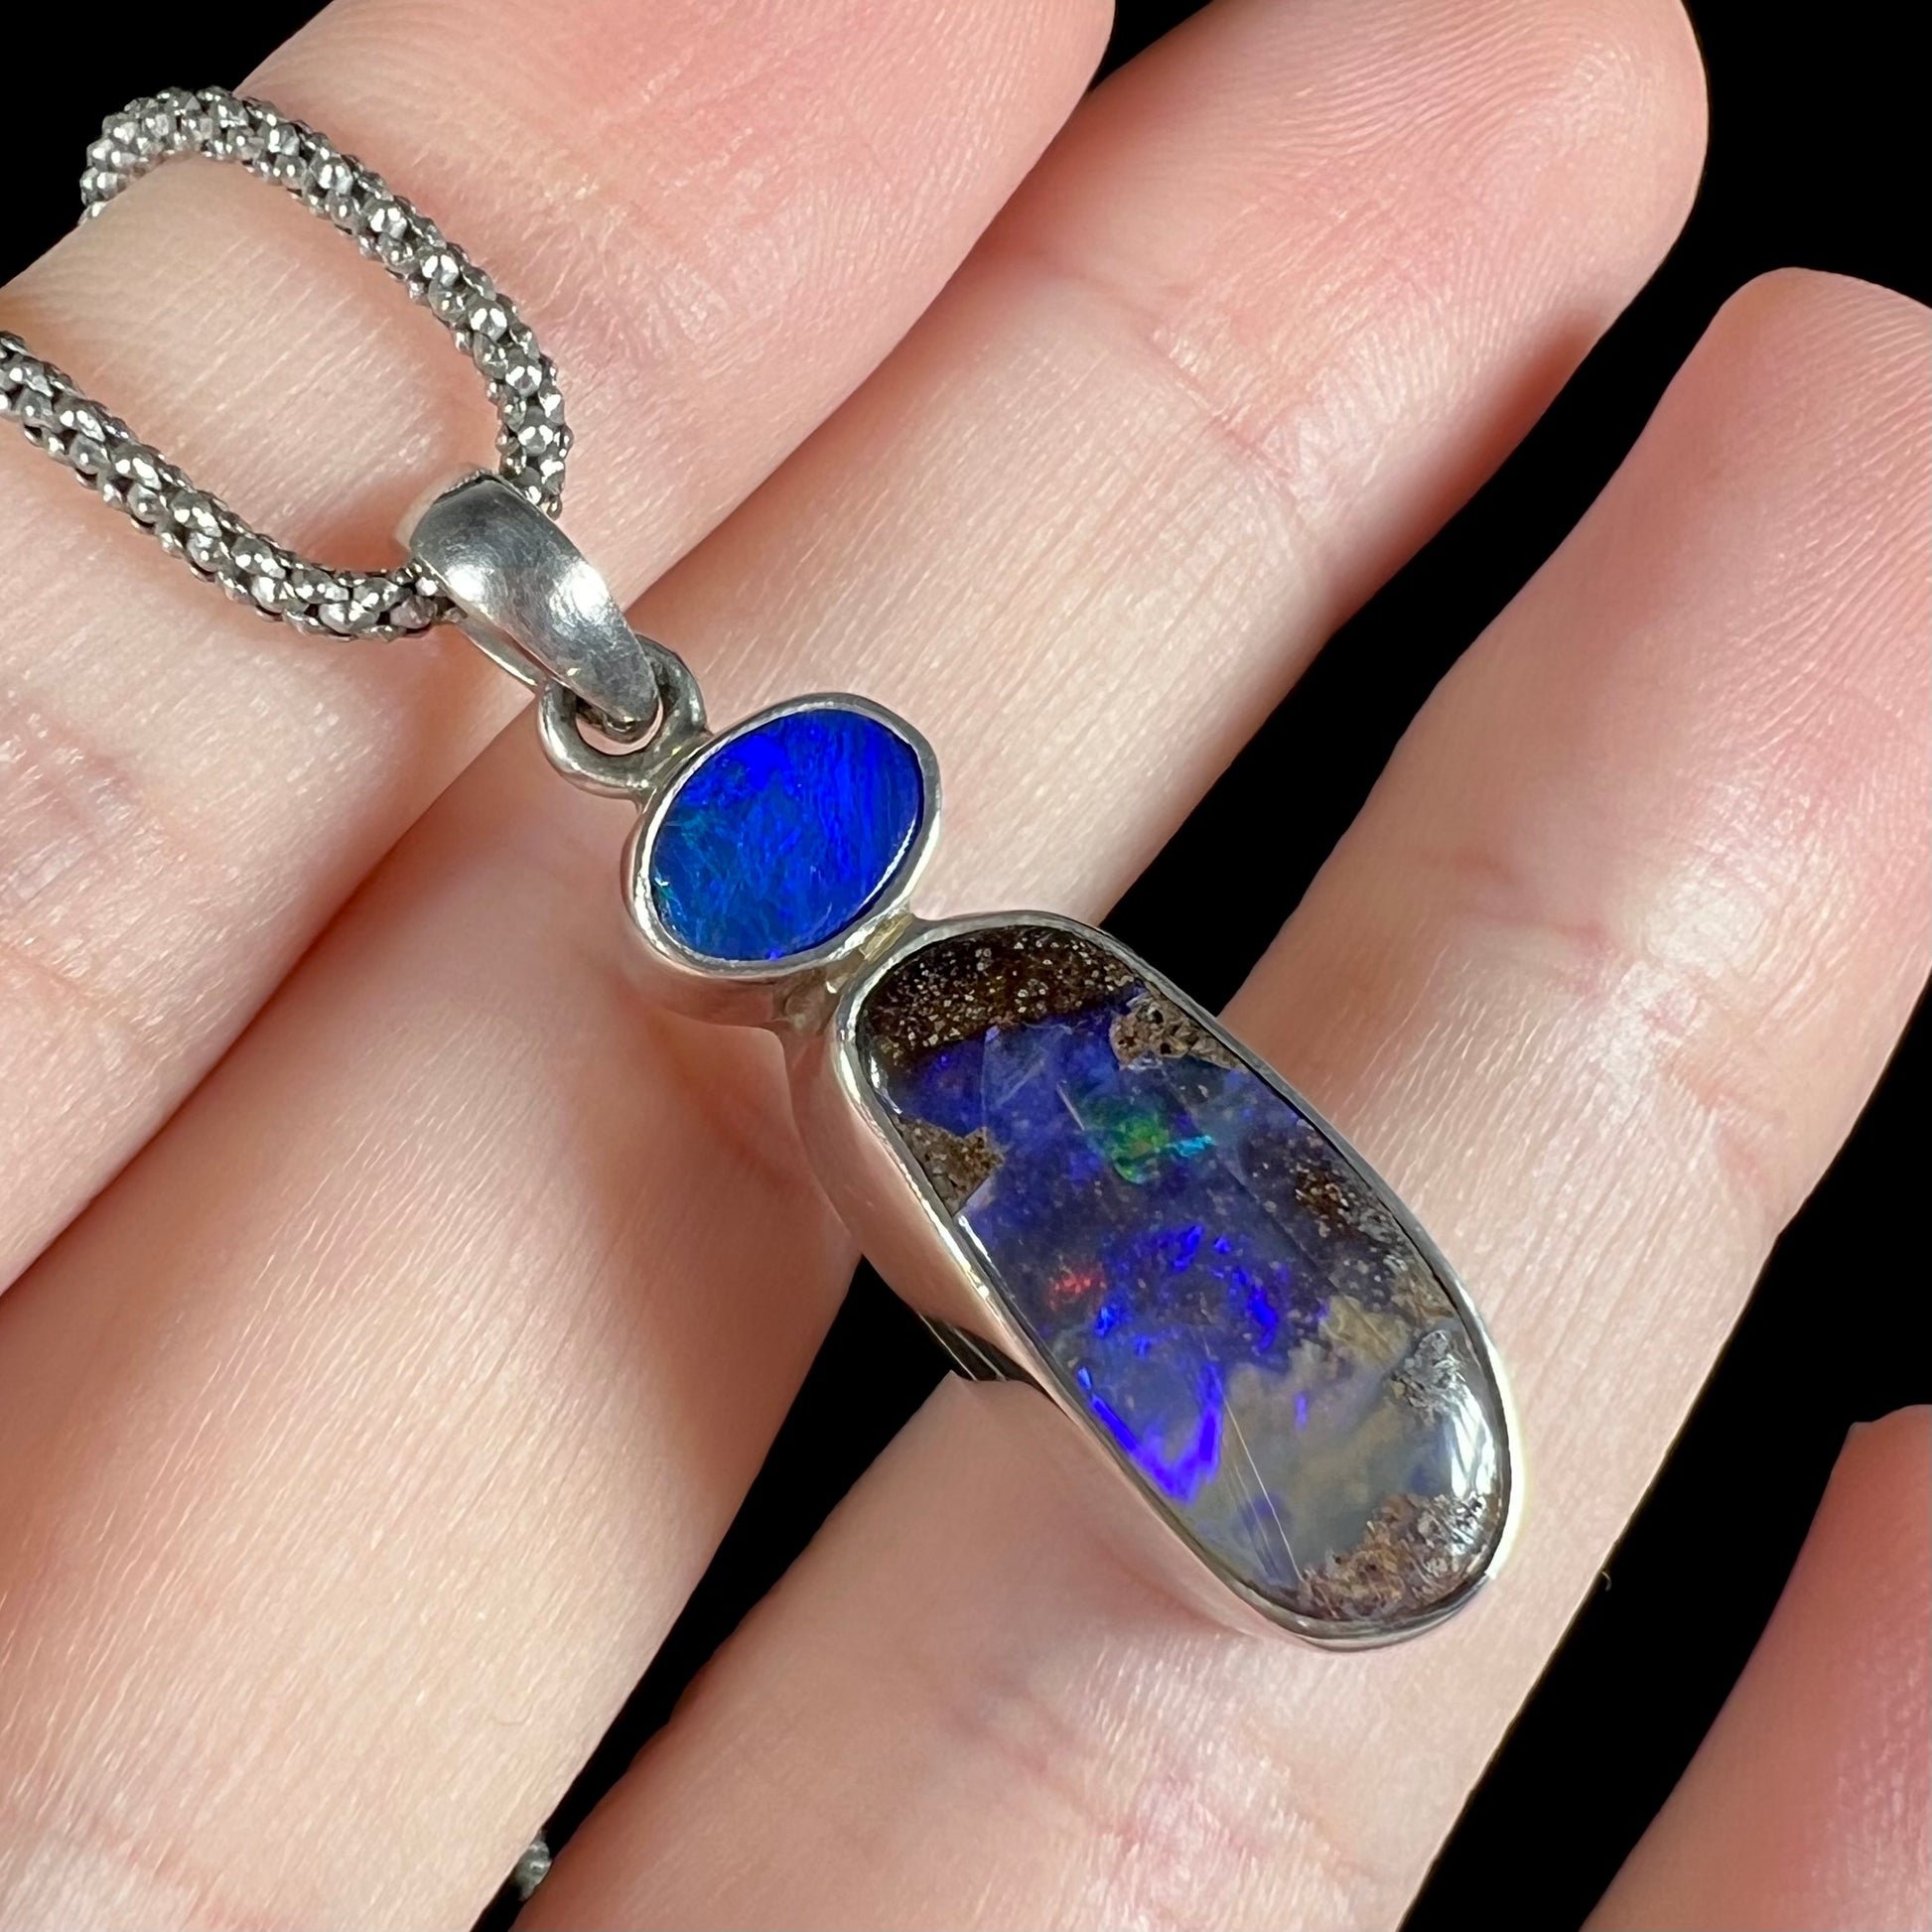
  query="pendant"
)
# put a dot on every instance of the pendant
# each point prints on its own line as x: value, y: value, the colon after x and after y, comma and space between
x: 1076, y: 1176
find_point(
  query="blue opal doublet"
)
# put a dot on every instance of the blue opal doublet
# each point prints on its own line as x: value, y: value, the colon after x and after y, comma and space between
x: 783, y: 833
x: 1202, y: 1268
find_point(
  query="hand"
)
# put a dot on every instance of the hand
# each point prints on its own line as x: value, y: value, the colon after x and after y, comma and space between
x: 362, y: 1438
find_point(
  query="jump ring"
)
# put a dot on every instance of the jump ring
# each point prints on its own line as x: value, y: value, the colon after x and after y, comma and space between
x: 628, y: 773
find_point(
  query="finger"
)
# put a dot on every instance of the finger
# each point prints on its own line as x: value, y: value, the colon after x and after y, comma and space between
x: 716, y: 220
x: 500, y: 1310
x: 1807, y: 1804
x: 1598, y: 979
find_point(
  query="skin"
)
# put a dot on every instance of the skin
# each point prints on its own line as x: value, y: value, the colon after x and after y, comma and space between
x: 402, y: 1309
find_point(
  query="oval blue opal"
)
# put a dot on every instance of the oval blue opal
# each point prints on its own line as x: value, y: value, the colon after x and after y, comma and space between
x: 784, y: 833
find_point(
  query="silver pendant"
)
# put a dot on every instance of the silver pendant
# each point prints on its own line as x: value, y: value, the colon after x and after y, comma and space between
x: 1076, y: 1176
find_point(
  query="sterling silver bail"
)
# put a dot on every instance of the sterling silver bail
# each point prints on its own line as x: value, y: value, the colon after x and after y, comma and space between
x: 534, y: 602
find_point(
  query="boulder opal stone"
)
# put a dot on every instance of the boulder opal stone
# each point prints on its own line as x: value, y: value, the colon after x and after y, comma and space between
x: 1202, y: 1268
x: 785, y: 832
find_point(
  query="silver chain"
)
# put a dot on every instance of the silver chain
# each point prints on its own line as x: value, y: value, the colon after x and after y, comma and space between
x: 532, y: 438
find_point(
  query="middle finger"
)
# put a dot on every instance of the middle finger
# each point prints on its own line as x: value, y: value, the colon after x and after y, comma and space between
x: 426, y: 1405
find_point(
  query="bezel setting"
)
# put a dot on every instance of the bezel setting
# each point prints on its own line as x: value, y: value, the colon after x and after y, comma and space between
x: 915, y: 1243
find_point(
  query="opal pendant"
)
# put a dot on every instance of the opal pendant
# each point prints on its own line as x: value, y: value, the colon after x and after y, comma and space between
x: 1086, y: 1183
x: 1141, y: 1218
x: 1077, y: 1175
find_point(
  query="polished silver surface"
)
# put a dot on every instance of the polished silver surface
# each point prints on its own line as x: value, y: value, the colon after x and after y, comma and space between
x: 534, y: 602
x: 914, y: 1241
x: 216, y: 543
x: 529, y: 597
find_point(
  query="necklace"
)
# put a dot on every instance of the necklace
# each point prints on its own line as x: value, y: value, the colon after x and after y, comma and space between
x: 1074, y: 1174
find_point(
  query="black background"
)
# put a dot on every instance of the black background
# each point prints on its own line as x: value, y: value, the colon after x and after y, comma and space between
x: 1810, y: 162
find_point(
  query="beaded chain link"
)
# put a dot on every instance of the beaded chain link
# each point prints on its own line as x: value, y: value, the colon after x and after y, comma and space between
x: 532, y: 438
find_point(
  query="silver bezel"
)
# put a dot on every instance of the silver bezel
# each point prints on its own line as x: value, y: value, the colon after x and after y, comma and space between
x: 766, y: 991
x: 900, y: 1221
